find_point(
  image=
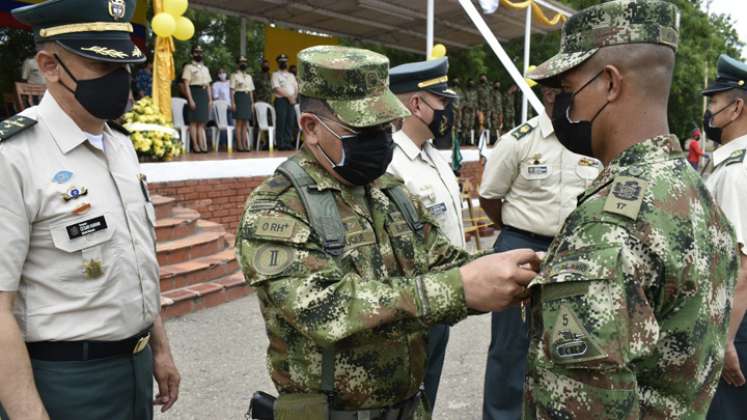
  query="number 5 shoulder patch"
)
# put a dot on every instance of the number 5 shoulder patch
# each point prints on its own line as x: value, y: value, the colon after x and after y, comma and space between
x: 626, y: 197
x: 569, y: 340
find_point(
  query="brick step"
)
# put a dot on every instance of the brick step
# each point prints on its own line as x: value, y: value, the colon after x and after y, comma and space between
x: 181, y: 223
x: 164, y: 205
x: 199, y: 270
x: 208, y: 240
x: 179, y: 302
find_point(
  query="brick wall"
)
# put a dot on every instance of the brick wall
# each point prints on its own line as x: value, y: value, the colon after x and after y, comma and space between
x: 222, y: 200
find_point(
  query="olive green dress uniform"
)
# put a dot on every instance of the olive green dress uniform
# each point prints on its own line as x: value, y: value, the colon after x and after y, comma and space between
x: 197, y: 76
x: 242, y: 85
x: 78, y: 227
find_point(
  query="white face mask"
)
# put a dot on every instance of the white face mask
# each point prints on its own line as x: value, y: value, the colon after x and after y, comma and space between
x: 222, y: 76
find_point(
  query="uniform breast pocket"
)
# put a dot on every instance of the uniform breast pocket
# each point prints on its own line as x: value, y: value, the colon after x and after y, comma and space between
x: 533, y: 172
x: 82, y: 243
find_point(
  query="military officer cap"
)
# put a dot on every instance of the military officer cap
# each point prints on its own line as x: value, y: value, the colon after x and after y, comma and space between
x: 281, y: 57
x: 242, y: 59
x: 617, y: 22
x: 353, y: 82
x: 196, y: 48
x: 732, y: 74
x: 429, y: 76
x: 95, y: 29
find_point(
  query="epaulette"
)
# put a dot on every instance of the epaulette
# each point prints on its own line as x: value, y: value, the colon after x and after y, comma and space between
x: 521, y: 131
x: 15, y: 125
x: 736, y: 157
x: 118, y: 127
x: 626, y: 196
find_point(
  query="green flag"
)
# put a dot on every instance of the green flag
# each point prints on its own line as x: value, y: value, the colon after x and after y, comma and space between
x: 456, y: 154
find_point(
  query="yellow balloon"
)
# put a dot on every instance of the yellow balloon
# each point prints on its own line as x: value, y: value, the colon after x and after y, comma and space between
x: 438, y: 51
x: 529, y: 81
x: 175, y: 8
x: 163, y: 24
x: 185, y: 29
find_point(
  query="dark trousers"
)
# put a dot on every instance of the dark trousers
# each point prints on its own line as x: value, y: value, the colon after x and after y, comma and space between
x: 287, y: 124
x: 118, y: 388
x: 730, y: 402
x: 438, y: 337
x: 509, y: 344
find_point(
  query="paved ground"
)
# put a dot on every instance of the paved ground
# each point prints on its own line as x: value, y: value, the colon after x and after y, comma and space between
x: 221, y: 355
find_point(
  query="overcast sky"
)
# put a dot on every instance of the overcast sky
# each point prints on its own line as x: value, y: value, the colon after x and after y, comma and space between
x: 737, y: 9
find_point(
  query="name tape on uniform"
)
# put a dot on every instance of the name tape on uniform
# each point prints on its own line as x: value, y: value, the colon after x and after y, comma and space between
x: 87, y: 227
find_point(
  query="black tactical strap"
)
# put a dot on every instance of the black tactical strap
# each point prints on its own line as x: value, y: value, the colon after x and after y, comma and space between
x: 320, y: 208
x: 401, y: 199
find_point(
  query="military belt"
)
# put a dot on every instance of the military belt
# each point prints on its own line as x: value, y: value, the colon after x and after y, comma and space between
x: 81, y: 351
x: 547, y: 239
x: 400, y: 411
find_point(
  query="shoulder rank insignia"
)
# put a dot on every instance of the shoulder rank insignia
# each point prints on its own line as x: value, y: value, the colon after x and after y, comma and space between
x: 736, y: 157
x: 522, y: 131
x: 15, y: 125
x: 626, y: 196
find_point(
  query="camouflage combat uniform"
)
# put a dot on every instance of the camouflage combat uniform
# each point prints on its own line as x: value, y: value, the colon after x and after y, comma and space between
x: 484, y: 102
x: 374, y: 303
x: 509, y: 111
x: 263, y: 91
x: 458, y: 105
x: 496, y: 108
x: 469, y: 106
x: 629, y: 315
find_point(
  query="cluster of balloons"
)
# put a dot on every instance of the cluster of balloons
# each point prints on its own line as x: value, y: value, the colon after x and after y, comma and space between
x: 438, y: 51
x: 170, y: 22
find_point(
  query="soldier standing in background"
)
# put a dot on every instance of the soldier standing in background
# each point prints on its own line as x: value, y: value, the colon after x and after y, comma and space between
x: 263, y: 84
x: 629, y: 316
x: 509, y: 108
x: 484, y: 99
x: 496, y: 111
x: 469, y: 107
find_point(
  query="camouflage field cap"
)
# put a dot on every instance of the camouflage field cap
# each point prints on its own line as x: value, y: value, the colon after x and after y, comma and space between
x: 354, y: 83
x: 614, y: 23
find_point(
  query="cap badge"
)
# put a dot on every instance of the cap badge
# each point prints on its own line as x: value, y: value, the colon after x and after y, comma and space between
x: 117, y: 9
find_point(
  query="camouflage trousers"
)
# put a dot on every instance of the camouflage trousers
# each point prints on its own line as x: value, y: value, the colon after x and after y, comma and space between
x: 468, y: 119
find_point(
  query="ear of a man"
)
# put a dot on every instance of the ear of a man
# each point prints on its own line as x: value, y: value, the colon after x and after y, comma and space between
x: 310, y: 127
x: 48, y: 66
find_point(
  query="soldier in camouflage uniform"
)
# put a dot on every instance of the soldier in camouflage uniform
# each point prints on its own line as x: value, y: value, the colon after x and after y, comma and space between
x: 509, y: 108
x: 628, y: 317
x: 469, y: 107
x: 263, y: 85
x: 484, y: 99
x: 496, y: 110
x: 350, y: 270
x: 456, y: 86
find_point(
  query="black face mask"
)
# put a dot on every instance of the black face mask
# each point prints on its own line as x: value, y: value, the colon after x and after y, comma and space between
x: 265, y: 68
x: 242, y: 67
x: 283, y: 66
x: 574, y: 135
x: 714, y: 133
x: 197, y: 58
x: 105, y: 97
x: 443, y: 120
x: 366, y: 155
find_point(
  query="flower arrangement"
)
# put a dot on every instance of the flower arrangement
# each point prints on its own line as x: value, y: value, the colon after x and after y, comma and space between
x: 152, y: 137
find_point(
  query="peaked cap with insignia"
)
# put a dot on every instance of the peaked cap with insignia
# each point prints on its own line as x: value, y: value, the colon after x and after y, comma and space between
x: 732, y: 74
x: 95, y: 29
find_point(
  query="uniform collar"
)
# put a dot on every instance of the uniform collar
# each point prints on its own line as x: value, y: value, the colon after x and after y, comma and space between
x: 63, y: 129
x: 545, y: 125
x: 407, y: 145
x: 634, y: 159
x: 725, y: 151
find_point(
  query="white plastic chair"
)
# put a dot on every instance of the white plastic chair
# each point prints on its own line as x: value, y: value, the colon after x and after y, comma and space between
x: 297, y: 107
x: 177, y: 112
x: 221, y: 120
x: 265, y: 112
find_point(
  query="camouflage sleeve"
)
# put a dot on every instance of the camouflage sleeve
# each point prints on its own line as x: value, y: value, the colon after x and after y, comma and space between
x: 590, y: 321
x: 327, y: 304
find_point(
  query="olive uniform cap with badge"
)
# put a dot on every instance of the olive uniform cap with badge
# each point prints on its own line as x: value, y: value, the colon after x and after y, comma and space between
x: 98, y: 30
x: 731, y: 74
x: 352, y: 81
x: 429, y: 76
